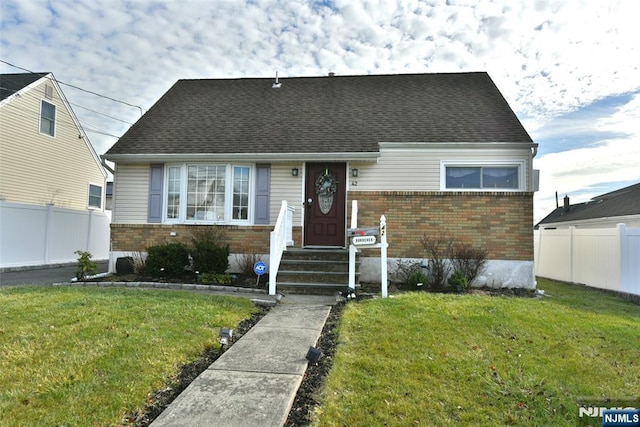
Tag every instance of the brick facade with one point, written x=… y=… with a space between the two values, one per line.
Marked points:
x=241 y=239
x=502 y=223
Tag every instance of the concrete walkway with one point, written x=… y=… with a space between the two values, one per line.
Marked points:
x=256 y=380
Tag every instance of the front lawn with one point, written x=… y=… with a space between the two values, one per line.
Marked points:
x=87 y=356
x=450 y=360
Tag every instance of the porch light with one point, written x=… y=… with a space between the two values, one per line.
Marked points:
x=294 y=172
x=225 y=336
x=354 y=172
x=314 y=354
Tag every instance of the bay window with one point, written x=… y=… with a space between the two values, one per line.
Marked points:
x=208 y=193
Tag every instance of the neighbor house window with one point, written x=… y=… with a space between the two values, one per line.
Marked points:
x=482 y=177
x=47 y=118
x=95 y=196
x=208 y=192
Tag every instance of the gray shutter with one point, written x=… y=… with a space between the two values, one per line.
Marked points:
x=156 y=179
x=263 y=184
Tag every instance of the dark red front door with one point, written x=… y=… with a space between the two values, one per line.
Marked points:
x=325 y=194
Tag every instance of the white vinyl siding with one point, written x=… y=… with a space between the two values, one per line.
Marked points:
x=286 y=187
x=420 y=170
x=131 y=194
x=56 y=170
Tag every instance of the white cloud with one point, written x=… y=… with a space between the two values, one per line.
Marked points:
x=585 y=171
x=548 y=58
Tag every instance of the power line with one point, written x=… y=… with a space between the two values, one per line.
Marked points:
x=79 y=88
x=102 y=114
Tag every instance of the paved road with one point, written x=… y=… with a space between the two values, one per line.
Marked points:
x=44 y=276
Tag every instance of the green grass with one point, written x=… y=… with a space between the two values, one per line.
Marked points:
x=450 y=360
x=74 y=356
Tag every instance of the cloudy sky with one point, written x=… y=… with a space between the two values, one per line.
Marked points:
x=569 y=69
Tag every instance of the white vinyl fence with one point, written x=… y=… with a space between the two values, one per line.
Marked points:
x=32 y=235
x=607 y=258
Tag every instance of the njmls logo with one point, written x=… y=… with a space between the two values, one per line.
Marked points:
x=618 y=412
x=621 y=418
x=592 y=411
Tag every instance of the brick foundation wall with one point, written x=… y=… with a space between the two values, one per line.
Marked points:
x=247 y=239
x=502 y=223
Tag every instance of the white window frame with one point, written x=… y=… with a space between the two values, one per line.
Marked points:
x=228 y=201
x=89 y=205
x=55 y=116
x=520 y=164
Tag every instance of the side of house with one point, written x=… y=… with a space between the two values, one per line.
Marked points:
x=46 y=160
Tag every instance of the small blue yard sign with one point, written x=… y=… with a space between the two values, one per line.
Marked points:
x=260 y=268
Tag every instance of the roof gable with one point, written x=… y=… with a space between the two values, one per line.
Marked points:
x=322 y=115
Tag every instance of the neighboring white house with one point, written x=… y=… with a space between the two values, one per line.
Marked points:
x=604 y=211
x=52 y=182
x=596 y=243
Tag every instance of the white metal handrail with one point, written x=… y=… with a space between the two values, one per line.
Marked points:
x=280 y=238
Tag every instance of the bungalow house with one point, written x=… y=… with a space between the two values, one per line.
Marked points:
x=434 y=153
x=51 y=179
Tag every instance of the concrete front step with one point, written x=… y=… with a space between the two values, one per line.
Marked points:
x=312 y=288
x=314 y=265
x=328 y=277
x=320 y=271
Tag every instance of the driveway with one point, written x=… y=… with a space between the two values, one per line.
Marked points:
x=45 y=276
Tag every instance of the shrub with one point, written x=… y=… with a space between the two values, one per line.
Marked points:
x=438 y=249
x=418 y=280
x=405 y=269
x=458 y=281
x=469 y=260
x=167 y=260
x=86 y=267
x=138 y=263
x=209 y=257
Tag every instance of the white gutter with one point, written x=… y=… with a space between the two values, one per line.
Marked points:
x=257 y=157
x=456 y=145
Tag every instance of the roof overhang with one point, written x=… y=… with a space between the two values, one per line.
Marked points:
x=236 y=157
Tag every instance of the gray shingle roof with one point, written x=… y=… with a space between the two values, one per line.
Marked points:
x=322 y=115
x=625 y=201
x=12 y=83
